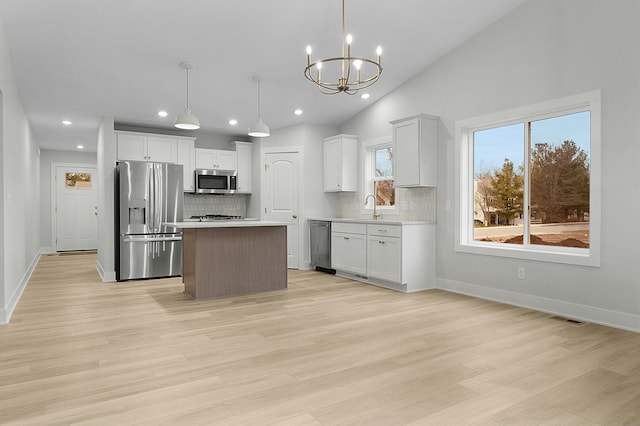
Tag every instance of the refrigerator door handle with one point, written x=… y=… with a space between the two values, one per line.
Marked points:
x=154 y=179
x=150 y=201
x=159 y=196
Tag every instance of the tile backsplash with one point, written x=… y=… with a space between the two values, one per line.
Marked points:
x=412 y=204
x=231 y=205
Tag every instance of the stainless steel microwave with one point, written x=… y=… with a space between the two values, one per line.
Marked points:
x=215 y=181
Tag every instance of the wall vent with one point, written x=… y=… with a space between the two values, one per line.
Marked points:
x=569 y=320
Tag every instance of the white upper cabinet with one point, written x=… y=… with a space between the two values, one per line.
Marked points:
x=187 y=157
x=163 y=149
x=414 y=151
x=340 y=163
x=215 y=159
x=146 y=147
x=244 y=156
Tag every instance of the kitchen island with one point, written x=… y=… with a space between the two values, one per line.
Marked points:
x=229 y=258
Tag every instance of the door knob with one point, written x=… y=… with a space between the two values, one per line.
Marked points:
x=295 y=216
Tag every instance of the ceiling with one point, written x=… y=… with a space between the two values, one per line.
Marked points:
x=81 y=60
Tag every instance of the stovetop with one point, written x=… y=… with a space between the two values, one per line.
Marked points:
x=212 y=217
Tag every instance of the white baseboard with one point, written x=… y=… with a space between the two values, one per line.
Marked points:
x=622 y=320
x=106 y=276
x=7 y=312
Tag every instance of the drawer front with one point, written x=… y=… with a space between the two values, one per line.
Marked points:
x=351 y=228
x=384 y=230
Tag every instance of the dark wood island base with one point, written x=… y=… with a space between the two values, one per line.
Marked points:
x=229 y=261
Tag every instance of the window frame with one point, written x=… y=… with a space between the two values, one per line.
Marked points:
x=368 y=176
x=464 y=129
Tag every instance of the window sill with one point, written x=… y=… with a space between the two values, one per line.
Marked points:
x=565 y=255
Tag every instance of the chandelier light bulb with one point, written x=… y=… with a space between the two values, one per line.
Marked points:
x=349 y=38
x=357 y=63
x=308 y=49
x=379 y=50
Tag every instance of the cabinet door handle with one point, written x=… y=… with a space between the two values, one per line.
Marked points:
x=346 y=238
x=383 y=230
x=380 y=242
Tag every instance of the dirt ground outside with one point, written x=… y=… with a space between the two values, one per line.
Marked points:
x=578 y=239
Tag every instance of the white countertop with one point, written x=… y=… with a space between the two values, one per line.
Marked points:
x=225 y=224
x=378 y=221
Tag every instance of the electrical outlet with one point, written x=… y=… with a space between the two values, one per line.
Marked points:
x=521 y=273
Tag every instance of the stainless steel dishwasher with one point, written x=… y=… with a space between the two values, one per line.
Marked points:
x=320 y=239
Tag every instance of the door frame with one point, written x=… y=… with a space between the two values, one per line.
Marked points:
x=263 y=185
x=54 y=197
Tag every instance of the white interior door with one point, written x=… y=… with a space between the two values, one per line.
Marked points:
x=76 y=208
x=282 y=177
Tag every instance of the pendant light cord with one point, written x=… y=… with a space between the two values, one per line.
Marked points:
x=259 y=114
x=188 y=88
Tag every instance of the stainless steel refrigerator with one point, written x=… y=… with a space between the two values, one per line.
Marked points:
x=147 y=196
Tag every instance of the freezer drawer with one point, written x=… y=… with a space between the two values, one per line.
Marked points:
x=150 y=256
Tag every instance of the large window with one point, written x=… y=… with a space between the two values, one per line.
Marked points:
x=529 y=182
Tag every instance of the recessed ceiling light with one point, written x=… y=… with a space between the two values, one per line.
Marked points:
x=298 y=112
x=365 y=96
x=233 y=122
x=80 y=146
x=163 y=113
x=66 y=122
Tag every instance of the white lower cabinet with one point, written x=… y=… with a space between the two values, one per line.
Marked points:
x=397 y=256
x=349 y=248
x=384 y=258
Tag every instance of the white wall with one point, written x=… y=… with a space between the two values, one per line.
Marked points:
x=47 y=157
x=544 y=50
x=315 y=202
x=20 y=175
x=106 y=159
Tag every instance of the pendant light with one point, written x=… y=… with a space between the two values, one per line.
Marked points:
x=259 y=129
x=187 y=120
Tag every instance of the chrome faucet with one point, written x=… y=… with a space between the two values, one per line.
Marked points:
x=375 y=213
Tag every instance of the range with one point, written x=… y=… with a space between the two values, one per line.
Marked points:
x=212 y=217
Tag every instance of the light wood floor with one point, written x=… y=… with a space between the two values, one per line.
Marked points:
x=326 y=351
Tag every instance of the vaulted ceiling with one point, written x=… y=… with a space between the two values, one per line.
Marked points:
x=81 y=60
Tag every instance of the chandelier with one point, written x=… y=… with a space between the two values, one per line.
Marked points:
x=343 y=74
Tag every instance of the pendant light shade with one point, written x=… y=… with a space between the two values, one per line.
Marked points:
x=187 y=120
x=259 y=129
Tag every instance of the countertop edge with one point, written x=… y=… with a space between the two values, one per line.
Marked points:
x=373 y=222
x=226 y=224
